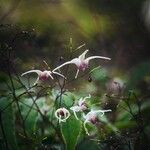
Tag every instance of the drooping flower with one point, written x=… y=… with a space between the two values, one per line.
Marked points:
x=81 y=106
x=92 y=117
x=81 y=62
x=62 y=114
x=43 y=75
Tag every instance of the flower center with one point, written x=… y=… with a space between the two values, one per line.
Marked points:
x=83 y=106
x=93 y=120
x=43 y=76
x=61 y=113
x=83 y=66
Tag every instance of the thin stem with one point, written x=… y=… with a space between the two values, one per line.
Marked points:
x=15 y=97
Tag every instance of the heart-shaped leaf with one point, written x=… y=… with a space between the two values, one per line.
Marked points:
x=71 y=131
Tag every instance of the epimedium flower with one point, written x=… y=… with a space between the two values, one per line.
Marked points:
x=62 y=114
x=81 y=62
x=92 y=117
x=81 y=106
x=43 y=75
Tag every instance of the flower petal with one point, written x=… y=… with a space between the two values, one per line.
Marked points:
x=36 y=81
x=32 y=71
x=75 y=115
x=66 y=63
x=75 y=108
x=82 y=100
x=95 y=57
x=89 y=96
x=82 y=56
x=59 y=74
x=77 y=73
x=85 y=128
x=49 y=73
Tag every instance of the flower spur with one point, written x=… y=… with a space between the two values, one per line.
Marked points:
x=81 y=62
x=43 y=75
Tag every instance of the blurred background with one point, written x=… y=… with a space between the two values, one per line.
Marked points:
x=118 y=29
x=40 y=30
x=37 y=30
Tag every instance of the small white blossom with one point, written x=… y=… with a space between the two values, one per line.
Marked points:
x=62 y=114
x=81 y=106
x=81 y=62
x=92 y=117
x=43 y=75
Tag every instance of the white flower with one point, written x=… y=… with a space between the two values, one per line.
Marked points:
x=43 y=75
x=92 y=117
x=62 y=114
x=81 y=62
x=81 y=106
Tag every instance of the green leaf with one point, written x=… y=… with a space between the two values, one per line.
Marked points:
x=71 y=131
x=8 y=123
x=29 y=114
x=88 y=144
x=68 y=99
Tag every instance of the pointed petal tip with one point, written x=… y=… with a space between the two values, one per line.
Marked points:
x=87 y=50
x=22 y=74
x=107 y=58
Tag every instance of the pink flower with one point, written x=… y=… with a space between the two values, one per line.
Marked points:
x=81 y=106
x=92 y=117
x=43 y=75
x=81 y=62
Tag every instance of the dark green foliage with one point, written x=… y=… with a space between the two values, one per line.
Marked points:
x=7 y=124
